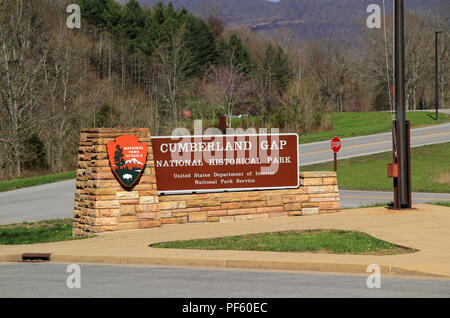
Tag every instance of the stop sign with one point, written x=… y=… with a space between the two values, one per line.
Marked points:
x=336 y=144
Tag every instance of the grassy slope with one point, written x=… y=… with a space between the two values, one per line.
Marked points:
x=447 y=204
x=33 y=181
x=329 y=241
x=430 y=170
x=360 y=124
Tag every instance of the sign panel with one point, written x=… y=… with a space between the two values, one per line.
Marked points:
x=225 y=162
x=127 y=157
x=336 y=144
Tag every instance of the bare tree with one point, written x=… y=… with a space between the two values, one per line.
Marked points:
x=419 y=43
x=302 y=103
x=319 y=64
x=228 y=88
x=21 y=62
x=59 y=89
x=262 y=90
x=341 y=71
x=442 y=23
x=174 y=60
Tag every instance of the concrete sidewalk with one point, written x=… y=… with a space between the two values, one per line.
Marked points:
x=426 y=228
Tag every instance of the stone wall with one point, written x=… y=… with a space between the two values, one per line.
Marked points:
x=318 y=193
x=101 y=204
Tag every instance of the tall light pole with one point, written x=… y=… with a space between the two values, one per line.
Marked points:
x=402 y=184
x=436 y=59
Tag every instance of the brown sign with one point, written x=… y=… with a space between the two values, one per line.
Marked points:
x=225 y=162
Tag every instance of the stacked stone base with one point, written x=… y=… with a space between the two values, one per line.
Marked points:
x=101 y=204
x=318 y=193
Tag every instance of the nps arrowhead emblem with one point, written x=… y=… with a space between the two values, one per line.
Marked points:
x=127 y=157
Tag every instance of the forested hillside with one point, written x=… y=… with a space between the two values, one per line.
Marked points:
x=131 y=65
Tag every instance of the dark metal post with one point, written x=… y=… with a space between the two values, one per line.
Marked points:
x=436 y=59
x=335 y=162
x=395 y=162
x=408 y=146
x=402 y=145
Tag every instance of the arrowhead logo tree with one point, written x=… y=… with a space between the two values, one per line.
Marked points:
x=118 y=157
x=127 y=157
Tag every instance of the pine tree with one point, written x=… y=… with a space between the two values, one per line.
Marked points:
x=200 y=42
x=111 y=16
x=132 y=23
x=276 y=67
x=118 y=158
x=236 y=51
x=93 y=10
x=144 y=31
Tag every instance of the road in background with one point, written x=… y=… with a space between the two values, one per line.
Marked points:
x=43 y=202
x=49 y=280
x=356 y=198
x=433 y=111
x=319 y=152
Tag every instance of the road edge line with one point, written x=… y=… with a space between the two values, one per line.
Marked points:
x=226 y=263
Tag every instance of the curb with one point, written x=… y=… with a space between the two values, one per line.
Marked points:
x=222 y=263
x=11 y=258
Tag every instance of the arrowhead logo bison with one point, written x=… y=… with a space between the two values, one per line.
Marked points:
x=127 y=157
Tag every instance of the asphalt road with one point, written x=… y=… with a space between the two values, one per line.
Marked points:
x=319 y=152
x=49 y=280
x=356 y=198
x=55 y=200
x=43 y=202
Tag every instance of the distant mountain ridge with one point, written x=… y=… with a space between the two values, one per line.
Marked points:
x=309 y=19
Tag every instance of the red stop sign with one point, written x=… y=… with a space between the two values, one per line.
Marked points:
x=336 y=144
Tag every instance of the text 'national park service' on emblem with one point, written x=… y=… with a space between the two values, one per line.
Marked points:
x=127 y=157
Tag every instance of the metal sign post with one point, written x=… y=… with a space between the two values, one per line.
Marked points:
x=336 y=145
x=436 y=60
x=400 y=130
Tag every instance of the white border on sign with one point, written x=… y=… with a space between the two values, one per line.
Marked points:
x=331 y=143
x=230 y=189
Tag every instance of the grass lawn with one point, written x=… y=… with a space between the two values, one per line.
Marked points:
x=430 y=170
x=442 y=203
x=323 y=241
x=37 y=232
x=360 y=124
x=38 y=180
